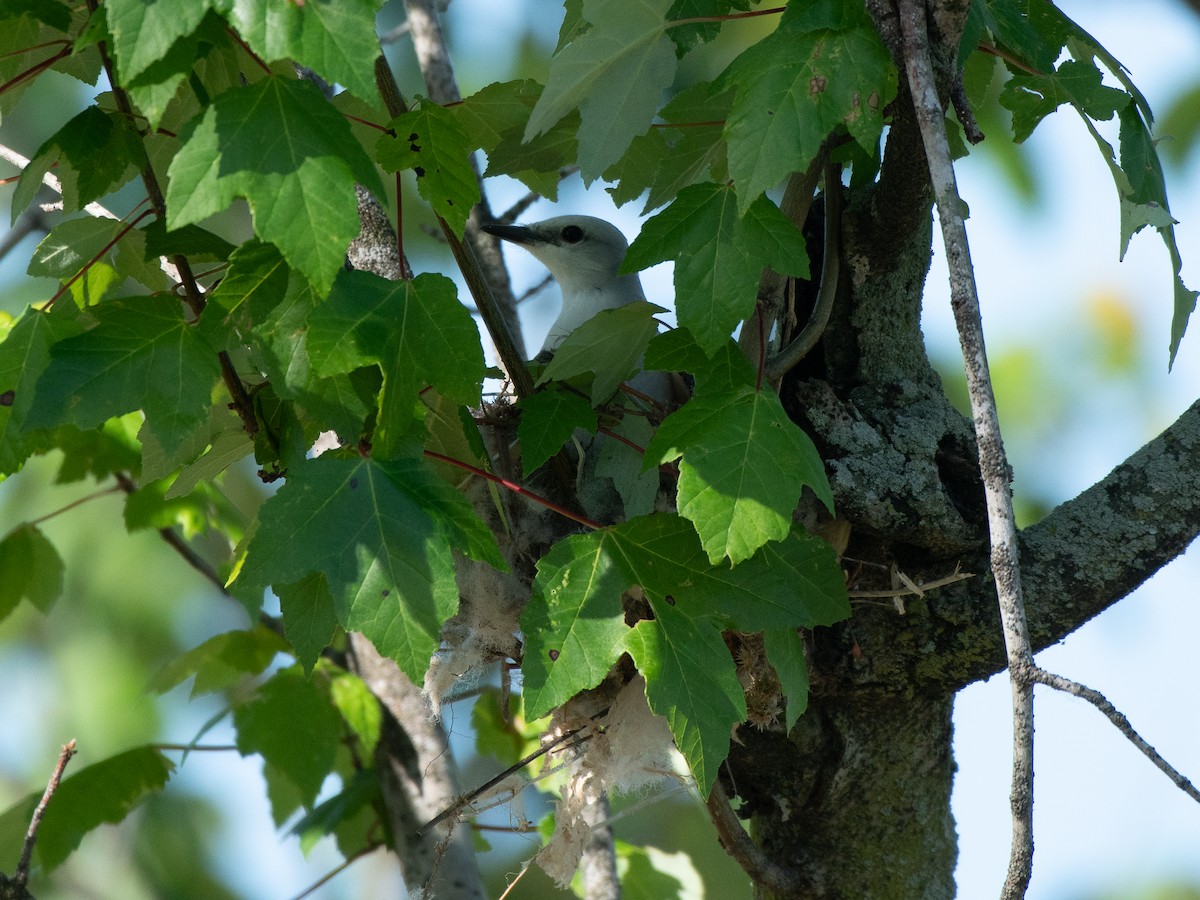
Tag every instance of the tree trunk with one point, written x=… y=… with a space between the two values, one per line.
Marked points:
x=857 y=799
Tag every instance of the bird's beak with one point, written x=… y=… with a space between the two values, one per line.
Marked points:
x=518 y=234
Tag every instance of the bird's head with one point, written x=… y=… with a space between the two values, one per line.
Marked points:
x=581 y=252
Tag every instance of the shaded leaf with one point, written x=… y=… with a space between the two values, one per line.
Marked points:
x=140 y=355
x=380 y=532
x=824 y=68
x=719 y=256
x=691 y=681
x=104 y=792
x=30 y=569
x=417 y=332
x=610 y=344
x=626 y=50
x=222 y=661
x=548 y=419
x=431 y=141
x=292 y=724
x=309 y=617
x=283 y=147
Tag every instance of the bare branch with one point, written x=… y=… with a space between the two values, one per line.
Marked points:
x=22 y=874
x=964 y=299
x=763 y=870
x=1098 y=700
x=598 y=864
x=418 y=775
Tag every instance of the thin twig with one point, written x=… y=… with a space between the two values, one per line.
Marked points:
x=470 y=797
x=763 y=870
x=337 y=870
x=176 y=543
x=916 y=589
x=512 y=884
x=1098 y=700
x=64 y=757
x=964 y=300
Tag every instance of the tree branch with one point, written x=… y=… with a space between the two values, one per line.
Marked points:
x=993 y=464
x=433 y=56
x=764 y=871
x=21 y=876
x=1087 y=554
x=1098 y=700
x=418 y=777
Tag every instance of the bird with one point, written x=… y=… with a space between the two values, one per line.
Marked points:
x=584 y=254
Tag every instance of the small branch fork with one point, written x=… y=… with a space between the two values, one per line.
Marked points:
x=964 y=299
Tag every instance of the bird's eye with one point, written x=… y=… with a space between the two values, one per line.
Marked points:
x=572 y=234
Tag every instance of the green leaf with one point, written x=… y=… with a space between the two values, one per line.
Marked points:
x=365 y=525
x=495 y=118
x=326 y=817
x=292 y=724
x=719 y=256
x=73 y=244
x=574 y=621
x=1033 y=97
x=24 y=355
x=431 y=141
x=140 y=355
x=105 y=792
x=416 y=331
x=614 y=73
x=255 y=282
x=688 y=37
x=785 y=651
x=691 y=681
x=142 y=32
x=309 y=617
x=359 y=708
x=193 y=241
x=336 y=402
x=1148 y=190
x=576 y=617
x=51 y=12
x=696 y=149
x=283 y=147
x=96 y=153
x=745 y=464
x=677 y=351
x=548 y=419
x=610 y=344
x=797 y=86
x=622 y=464
x=338 y=40
x=222 y=661
x=538 y=163
x=30 y=569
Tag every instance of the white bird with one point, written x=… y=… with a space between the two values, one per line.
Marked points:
x=583 y=254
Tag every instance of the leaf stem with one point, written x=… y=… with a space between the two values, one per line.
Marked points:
x=697 y=20
x=100 y=253
x=515 y=488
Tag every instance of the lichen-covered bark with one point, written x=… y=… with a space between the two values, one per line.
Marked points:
x=856 y=799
